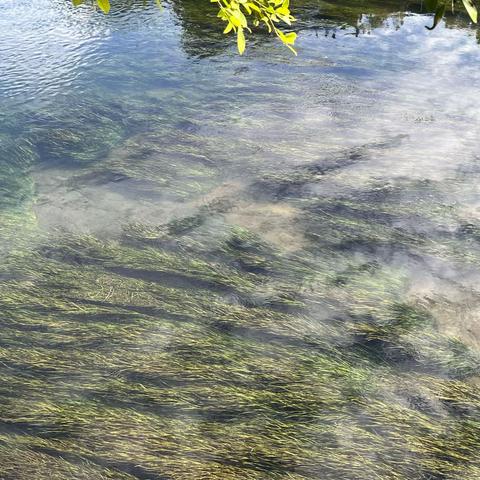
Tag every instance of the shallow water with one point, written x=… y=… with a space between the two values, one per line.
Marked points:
x=238 y=267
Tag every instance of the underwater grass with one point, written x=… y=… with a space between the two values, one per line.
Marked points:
x=196 y=349
x=108 y=373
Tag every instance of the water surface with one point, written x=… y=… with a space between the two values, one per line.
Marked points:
x=238 y=267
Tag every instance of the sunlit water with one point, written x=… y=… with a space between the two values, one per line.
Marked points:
x=237 y=267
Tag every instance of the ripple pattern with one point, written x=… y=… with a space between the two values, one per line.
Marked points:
x=47 y=46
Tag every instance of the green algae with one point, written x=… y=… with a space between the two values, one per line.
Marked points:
x=117 y=376
x=195 y=348
x=163 y=354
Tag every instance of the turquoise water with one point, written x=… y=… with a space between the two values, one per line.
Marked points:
x=249 y=267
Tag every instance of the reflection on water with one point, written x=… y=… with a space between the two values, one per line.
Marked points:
x=238 y=267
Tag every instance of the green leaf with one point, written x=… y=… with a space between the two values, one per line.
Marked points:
x=241 y=40
x=238 y=15
x=104 y=5
x=471 y=9
x=290 y=38
x=77 y=2
x=228 y=28
x=439 y=13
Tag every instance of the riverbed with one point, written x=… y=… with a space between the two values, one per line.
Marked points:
x=218 y=266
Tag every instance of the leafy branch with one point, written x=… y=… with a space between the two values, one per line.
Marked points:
x=269 y=12
x=240 y=15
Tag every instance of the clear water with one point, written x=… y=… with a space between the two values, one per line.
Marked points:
x=238 y=267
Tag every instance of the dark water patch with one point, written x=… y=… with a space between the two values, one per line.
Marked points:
x=122 y=467
x=169 y=279
x=45 y=431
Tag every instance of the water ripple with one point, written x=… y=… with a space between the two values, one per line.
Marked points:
x=55 y=45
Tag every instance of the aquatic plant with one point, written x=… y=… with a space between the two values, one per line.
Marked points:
x=197 y=349
x=132 y=360
x=194 y=343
